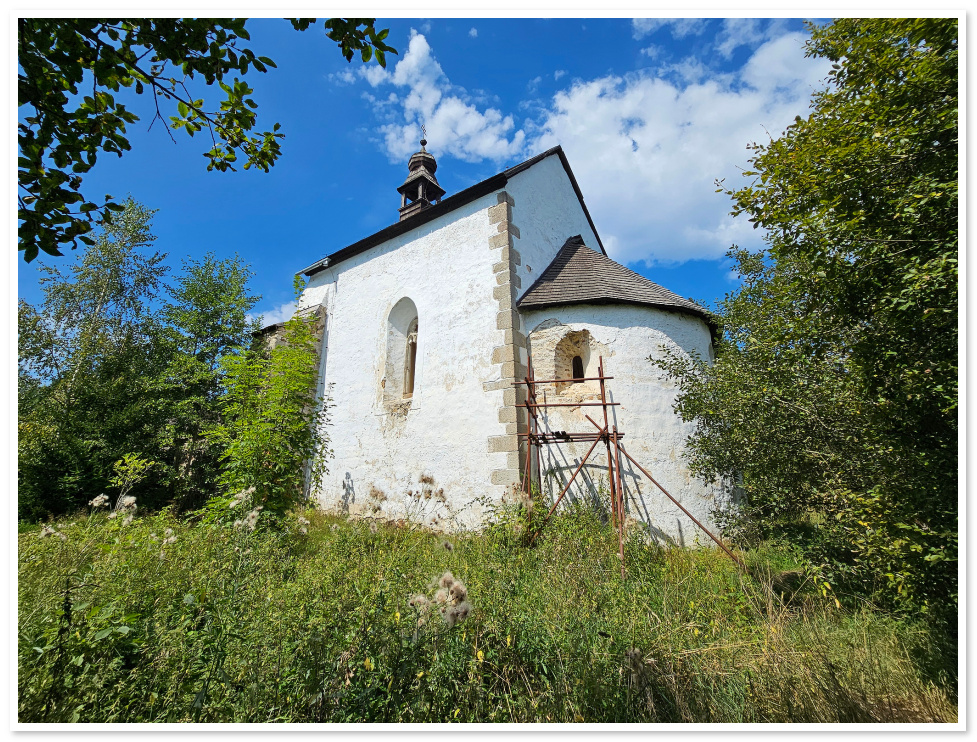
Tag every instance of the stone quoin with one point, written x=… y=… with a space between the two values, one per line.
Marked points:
x=426 y=325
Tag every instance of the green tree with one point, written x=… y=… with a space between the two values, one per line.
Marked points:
x=110 y=367
x=87 y=355
x=272 y=432
x=206 y=319
x=834 y=391
x=69 y=71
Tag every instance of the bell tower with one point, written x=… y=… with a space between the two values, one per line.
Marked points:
x=421 y=189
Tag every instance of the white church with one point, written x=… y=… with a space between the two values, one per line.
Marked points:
x=428 y=324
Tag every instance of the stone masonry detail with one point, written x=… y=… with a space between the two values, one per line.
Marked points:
x=510 y=357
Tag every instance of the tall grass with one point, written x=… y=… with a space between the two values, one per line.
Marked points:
x=226 y=625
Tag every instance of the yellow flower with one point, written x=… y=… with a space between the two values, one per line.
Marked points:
x=508 y=641
x=457 y=711
x=481 y=655
x=368 y=664
x=420 y=674
x=397 y=616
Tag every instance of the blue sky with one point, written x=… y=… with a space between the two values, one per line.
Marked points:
x=649 y=112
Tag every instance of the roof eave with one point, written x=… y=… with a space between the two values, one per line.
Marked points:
x=482 y=188
x=705 y=316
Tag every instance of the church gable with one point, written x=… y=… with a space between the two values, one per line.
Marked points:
x=427 y=334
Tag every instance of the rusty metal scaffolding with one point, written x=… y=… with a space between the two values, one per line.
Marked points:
x=608 y=434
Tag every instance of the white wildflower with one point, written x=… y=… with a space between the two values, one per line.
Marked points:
x=47 y=531
x=251 y=520
x=303 y=530
x=241 y=497
x=169 y=540
x=168 y=532
x=303 y=521
x=127 y=503
x=100 y=501
x=112 y=515
x=128 y=519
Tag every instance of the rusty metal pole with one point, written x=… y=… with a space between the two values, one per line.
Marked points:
x=539 y=471
x=620 y=501
x=610 y=465
x=567 y=487
x=691 y=517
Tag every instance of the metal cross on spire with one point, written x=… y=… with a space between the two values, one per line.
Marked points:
x=423 y=136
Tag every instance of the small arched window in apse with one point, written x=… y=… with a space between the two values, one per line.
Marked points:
x=410 y=360
x=577 y=369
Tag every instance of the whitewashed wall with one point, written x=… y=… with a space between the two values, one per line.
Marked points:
x=437 y=446
x=445 y=268
x=626 y=335
x=547 y=213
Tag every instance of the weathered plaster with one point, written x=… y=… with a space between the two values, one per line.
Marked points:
x=453 y=447
x=626 y=335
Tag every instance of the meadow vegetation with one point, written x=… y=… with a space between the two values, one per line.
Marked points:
x=307 y=617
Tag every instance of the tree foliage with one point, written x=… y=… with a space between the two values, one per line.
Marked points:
x=272 y=430
x=71 y=71
x=834 y=391
x=114 y=361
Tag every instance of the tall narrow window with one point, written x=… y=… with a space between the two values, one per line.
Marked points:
x=410 y=359
x=577 y=369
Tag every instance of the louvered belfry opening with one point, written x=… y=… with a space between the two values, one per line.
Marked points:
x=421 y=189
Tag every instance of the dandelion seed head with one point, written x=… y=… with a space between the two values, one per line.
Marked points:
x=47 y=531
x=441 y=596
x=450 y=618
x=169 y=540
x=168 y=532
x=112 y=515
x=458 y=591
x=238 y=523
x=419 y=601
x=303 y=521
x=128 y=519
x=462 y=610
x=100 y=501
x=303 y=530
x=128 y=503
x=447 y=579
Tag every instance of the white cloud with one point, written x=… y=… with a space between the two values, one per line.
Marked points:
x=454 y=125
x=281 y=313
x=680 y=27
x=751 y=32
x=558 y=74
x=646 y=148
x=473 y=33
x=652 y=52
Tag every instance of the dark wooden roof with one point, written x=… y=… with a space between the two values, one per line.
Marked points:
x=495 y=183
x=579 y=275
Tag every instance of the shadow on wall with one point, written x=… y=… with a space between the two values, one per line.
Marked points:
x=590 y=490
x=349 y=493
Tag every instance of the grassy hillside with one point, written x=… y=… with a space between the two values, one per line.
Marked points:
x=213 y=623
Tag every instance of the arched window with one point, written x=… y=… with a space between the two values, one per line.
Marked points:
x=578 y=369
x=410 y=359
x=401 y=375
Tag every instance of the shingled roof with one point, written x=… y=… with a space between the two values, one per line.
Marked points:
x=579 y=275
